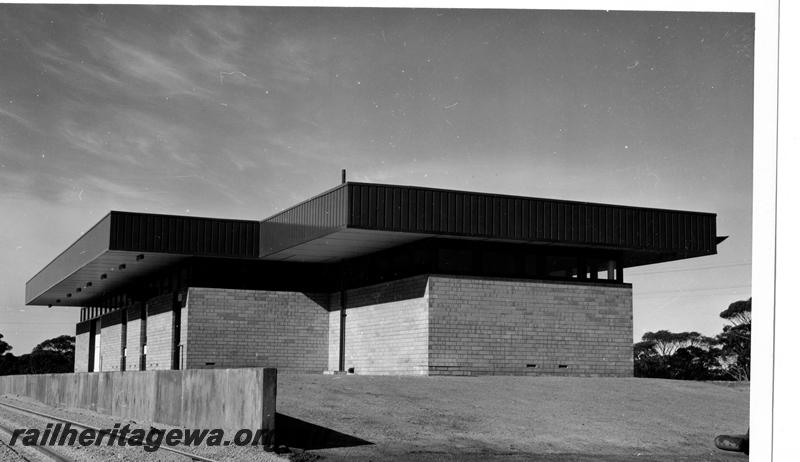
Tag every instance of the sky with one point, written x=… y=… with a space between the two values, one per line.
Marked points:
x=240 y=112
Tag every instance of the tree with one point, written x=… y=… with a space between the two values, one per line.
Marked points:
x=695 y=363
x=55 y=355
x=4 y=347
x=666 y=343
x=693 y=356
x=734 y=340
x=64 y=344
x=647 y=362
x=676 y=355
x=738 y=313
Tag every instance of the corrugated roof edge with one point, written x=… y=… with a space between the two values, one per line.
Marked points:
x=122 y=212
x=512 y=196
x=327 y=191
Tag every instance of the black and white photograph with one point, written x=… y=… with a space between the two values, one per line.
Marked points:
x=355 y=232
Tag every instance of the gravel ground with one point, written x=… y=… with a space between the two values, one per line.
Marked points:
x=13 y=419
x=9 y=454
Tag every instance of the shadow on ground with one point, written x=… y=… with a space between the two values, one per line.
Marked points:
x=356 y=455
x=296 y=433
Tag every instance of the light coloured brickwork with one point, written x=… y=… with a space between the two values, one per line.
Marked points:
x=482 y=326
x=110 y=348
x=159 y=341
x=437 y=325
x=133 y=344
x=254 y=328
x=386 y=328
x=333 y=340
x=82 y=352
x=159 y=333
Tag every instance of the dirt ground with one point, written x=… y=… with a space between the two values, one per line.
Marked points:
x=325 y=417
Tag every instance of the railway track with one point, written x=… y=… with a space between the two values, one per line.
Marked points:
x=49 y=454
x=42 y=451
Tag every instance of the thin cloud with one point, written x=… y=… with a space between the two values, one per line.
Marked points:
x=19 y=119
x=152 y=69
x=72 y=70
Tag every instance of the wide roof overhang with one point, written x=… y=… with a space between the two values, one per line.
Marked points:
x=124 y=246
x=356 y=219
x=359 y=218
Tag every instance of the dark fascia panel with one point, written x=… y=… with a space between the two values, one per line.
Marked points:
x=472 y=215
x=198 y=236
x=316 y=217
x=144 y=233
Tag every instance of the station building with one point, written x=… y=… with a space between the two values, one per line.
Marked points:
x=370 y=279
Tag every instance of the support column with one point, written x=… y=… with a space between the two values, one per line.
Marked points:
x=612 y=265
x=581 y=264
x=177 y=305
x=123 y=360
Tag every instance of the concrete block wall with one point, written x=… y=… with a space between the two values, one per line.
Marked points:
x=255 y=328
x=484 y=326
x=427 y=324
x=159 y=332
x=386 y=328
x=133 y=338
x=333 y=337
x=81 y=349
x=111 y=347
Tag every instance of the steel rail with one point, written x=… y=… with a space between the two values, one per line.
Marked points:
x=193 y=457
x=43 y=450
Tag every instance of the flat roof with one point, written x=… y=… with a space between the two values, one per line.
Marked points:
x=355 y=219
x=123 y=245
x=374 y=213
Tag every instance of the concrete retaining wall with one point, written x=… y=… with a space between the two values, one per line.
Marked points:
x=230 y=399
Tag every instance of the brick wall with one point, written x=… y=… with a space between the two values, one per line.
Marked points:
x=481 y=326
x=438 y=325
x=133 y=338
x=386 y=328
x=159 y=332
x=110 y=347
x=81 y=350
x=255 y=328
x=333 y=338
